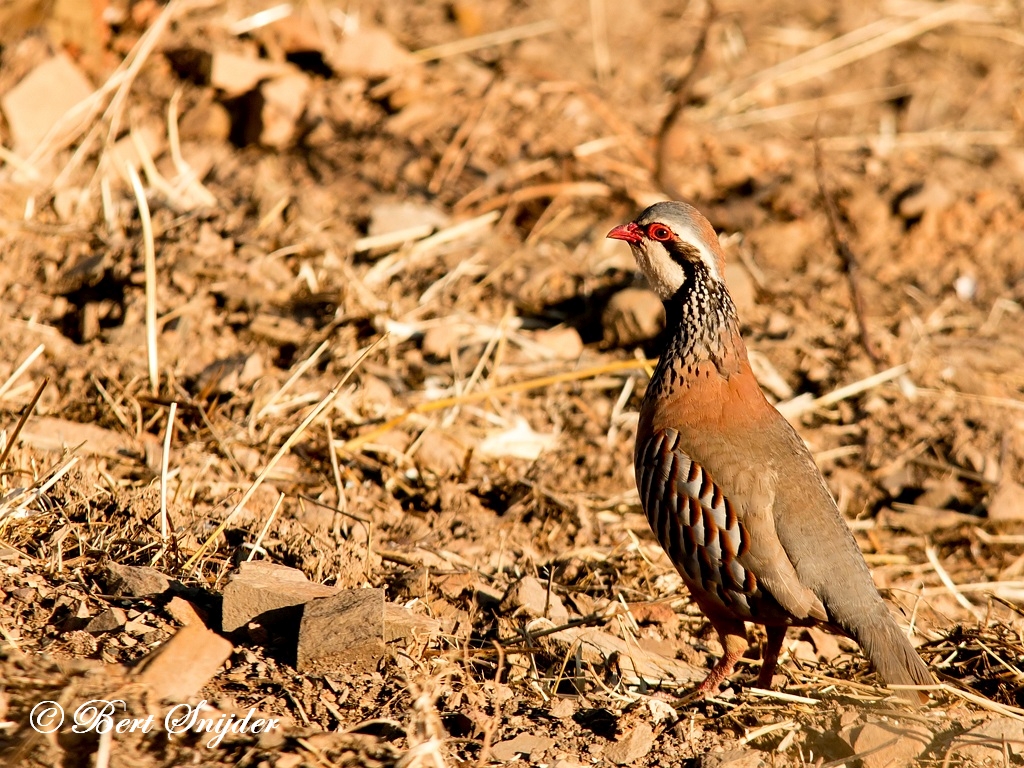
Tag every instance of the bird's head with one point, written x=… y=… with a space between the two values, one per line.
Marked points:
x=667 y=238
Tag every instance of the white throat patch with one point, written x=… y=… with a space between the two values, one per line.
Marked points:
x=661 y=270
x=665 y=275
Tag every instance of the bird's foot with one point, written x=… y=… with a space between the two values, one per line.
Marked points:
x=719 y=673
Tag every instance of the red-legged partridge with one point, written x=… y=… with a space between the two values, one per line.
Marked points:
x=729 y=488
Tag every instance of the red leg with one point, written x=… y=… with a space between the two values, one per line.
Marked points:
x=733 y=635
x=770 y=655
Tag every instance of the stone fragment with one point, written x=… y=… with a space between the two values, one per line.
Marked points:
x=441 y=340
x=49 y=433
x=530 y=596
x=825 y=643
x=520 y=441
x=734 y=758
x=369 y=52
x=134 y=580
x=235 y=74
x=634 y=664
x=135 y=627
x=741 y=287
x=439 y=455
x=931 y=197
x=179 y=668
x=206 y=121
x=632 y=745
x=349 y=631
x=1007 y=502
x=988 y=743
x=260 y=588
x=521 y=744
x=560 y=343
x=107 y=621
x=884 y=744
x=454 y=585
x=401 y=624
x=183 y=612
x=295 y=33
x=632 y=316
x=344 y=630
x=226 y=375
x=41 y=99
x=562 y=708
x=284 y=101
x=405 y=215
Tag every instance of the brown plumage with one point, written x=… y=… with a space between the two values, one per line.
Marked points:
x=729 y=488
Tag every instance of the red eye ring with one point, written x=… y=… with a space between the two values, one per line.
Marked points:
x=659 y=232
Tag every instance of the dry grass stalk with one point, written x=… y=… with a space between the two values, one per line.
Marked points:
x=256 y=545
x=12 y=439
x=261 y=19
x=61 y=135
x=285 y=447
x=848 y=257
x=188 y=190
x=790 y=698
x=31 y=495
x=992 y=706
x=999 y=402
x=501 y=37
x=456 y=154
x=847 y=49
x=599 y=40
x=497 y=392
x=164 y=464
x=391 y=265
x=391 y=239
x=884 y=143
x=801 y=404
x=985 y=587
x=304 y=366
x=24 y=366
x=811 y=106
x=553 y=189
x=149 y=257
x=339 y=485
x=765 y=730
x=104 y=749
x=947 y=582
x=680 y=96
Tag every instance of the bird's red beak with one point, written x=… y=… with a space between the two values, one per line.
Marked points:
x=631 y=233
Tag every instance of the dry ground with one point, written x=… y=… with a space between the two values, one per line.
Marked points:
x=513 y=158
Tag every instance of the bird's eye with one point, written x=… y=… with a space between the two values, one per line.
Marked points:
x=659 y=232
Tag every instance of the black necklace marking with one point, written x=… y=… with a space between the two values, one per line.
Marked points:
x=703 y=322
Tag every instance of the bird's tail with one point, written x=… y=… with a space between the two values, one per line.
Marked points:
x=894 y=658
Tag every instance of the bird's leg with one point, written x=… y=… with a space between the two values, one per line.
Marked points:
x=770 y=655
x=733 y=635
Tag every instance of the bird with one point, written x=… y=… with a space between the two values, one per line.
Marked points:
x=729 y=488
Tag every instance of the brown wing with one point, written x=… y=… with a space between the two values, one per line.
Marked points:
x=731 y=551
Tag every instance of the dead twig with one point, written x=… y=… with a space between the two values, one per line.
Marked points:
x=13 y=439
x=680 y=95
x=471 y=44
x=193 y=561
x=481 y=395
x=851 y=266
